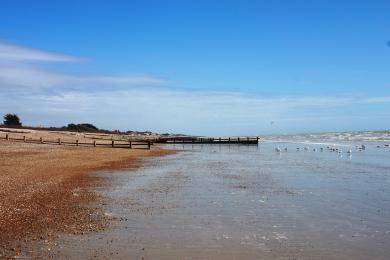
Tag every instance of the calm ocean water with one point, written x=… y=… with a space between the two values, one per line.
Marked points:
x=248 y=202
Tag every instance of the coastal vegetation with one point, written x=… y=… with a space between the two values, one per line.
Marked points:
x=82 y=127
x=12 y=120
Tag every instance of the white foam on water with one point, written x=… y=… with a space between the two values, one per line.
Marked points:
x=310 y=143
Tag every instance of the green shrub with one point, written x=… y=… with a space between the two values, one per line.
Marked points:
x=12 y=120
x=82 y=127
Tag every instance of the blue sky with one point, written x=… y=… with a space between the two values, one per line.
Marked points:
x=198 y=67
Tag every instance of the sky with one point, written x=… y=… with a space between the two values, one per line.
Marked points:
x=197 y=67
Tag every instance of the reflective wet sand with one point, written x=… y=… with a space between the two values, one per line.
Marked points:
x=247 y=202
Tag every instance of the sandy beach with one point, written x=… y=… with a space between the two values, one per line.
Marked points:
x=44 y=190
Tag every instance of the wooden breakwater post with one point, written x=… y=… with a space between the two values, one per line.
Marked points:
x=59 y=141
x=41 y=139
x=130 y=145
x=7 y=137
x=24 y=139
x=77 y=142
x=94 y=143
x=112 y=143
x=149 y=145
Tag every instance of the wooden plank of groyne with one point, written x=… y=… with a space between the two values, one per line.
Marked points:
x=140 y=144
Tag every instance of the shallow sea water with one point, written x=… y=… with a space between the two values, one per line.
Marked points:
x=248 y=202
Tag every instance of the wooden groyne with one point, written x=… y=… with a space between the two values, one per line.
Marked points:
x=208 y=140
x=144 y=144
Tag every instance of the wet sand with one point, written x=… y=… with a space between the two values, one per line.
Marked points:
x=238 y=202
x=46 y=191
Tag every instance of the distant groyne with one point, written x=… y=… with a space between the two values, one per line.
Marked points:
x=208 y=140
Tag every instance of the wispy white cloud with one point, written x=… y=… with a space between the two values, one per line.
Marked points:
x=12 y=52
x=17 y=71
x=202 y=112
x=36 y=78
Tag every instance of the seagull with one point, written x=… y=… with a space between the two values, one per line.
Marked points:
x=361 y=147
x=277 y=149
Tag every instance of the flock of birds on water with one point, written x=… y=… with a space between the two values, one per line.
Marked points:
x=361 y=147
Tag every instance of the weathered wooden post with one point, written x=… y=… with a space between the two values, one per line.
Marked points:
x=130 y=146
x=149 y=145
x=59 y=141
x=24 y=138
x=220 y=139
x=41 y=139
x=94 y=143
x=112 y=143
x=77 y=142
x=229 y=139
x=238 y=139
x=257 y=138
x=6 y=137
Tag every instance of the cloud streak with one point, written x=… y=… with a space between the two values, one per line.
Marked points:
x=36 y=78
x=12 y=52
x=17 y=71
x=192 y=111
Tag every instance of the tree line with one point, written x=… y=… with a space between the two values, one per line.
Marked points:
x=13 y=120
